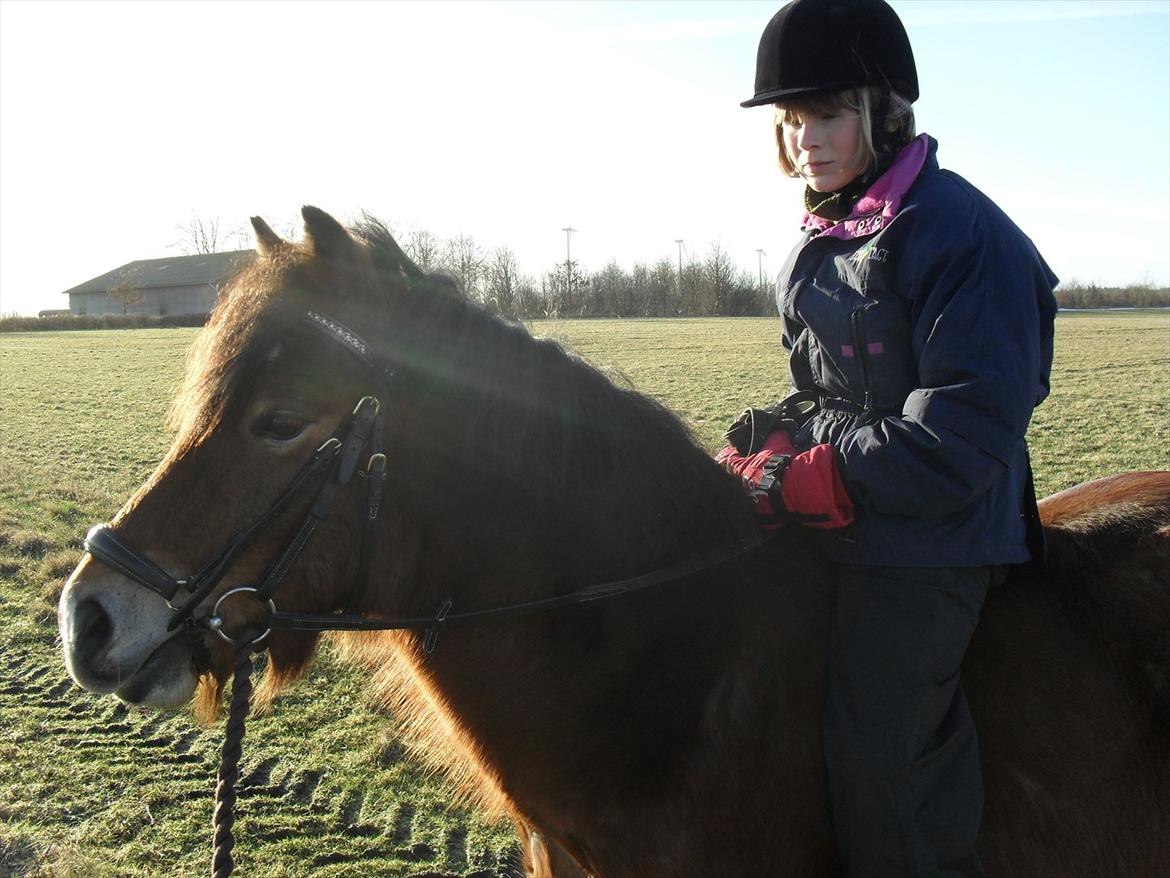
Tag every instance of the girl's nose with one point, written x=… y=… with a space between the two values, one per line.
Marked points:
x=808 y=136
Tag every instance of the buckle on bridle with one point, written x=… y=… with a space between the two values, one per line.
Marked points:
x=375 y=467
x=359 y=410
x=432 y=633
x=215 y=620
x=184 y=585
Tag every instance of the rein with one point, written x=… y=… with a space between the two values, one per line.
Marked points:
x=337 y=457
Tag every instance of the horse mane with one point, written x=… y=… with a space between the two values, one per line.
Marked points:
x=537 y=422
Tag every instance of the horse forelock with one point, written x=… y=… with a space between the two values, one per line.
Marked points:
x=263 y=307
x=225 y=352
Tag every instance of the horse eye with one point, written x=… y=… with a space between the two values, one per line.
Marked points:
x=281 y=426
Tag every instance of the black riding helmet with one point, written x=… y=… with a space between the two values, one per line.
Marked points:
x=813 y=46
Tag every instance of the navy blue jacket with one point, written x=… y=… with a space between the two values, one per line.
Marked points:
x=925 y=320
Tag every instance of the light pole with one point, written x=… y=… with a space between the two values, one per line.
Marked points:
x=568 y=230
x=761 y=254
x=680 y=246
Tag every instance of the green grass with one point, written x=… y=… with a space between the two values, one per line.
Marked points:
x=91 y=788
x=1109 y=410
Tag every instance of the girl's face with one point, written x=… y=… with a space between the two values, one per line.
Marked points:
x=823 y=147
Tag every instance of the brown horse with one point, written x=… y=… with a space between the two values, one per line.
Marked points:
x=669 y=732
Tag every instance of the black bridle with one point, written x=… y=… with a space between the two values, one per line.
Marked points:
x=338 y=456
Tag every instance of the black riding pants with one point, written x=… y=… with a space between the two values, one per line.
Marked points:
x=899 y=740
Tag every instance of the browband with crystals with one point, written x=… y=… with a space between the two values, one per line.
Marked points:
x=343 y=334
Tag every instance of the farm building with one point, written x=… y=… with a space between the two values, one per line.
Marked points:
x=175 y=285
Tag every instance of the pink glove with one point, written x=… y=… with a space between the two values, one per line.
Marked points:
x=806 y=487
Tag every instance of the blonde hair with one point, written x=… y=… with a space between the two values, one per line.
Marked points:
x=899 y=122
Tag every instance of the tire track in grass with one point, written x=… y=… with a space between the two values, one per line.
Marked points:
x=171 y=768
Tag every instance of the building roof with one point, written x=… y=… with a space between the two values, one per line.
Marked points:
x=174 y=271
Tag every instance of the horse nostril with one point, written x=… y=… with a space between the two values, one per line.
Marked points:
x=91 y=626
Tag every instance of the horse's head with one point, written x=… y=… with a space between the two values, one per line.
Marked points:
x=271 y=381
x=512 y=470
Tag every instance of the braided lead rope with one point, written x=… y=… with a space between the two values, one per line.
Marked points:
x=223 y=840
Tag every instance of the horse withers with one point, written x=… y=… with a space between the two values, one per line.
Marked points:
x=668 y=731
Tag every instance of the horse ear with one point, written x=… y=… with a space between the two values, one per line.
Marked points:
x=267 y=241
x=325 y=237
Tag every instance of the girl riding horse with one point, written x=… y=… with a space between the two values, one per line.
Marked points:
x=918 y=321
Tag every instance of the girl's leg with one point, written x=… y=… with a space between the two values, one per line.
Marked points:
x=899 y=740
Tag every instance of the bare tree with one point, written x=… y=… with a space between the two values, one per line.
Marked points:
x=612 y=291
x=564 y=291
x=503 y=277
x=718 y=281
x=203 y=235
x=424 y=249
x=464 y=260
x=664 y=287
x=529 y=303
x=125 y=294
x=690 y=293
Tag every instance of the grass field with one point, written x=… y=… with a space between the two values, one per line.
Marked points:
x=91 y=788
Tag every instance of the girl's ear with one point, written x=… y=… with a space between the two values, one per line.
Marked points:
x=267 y=241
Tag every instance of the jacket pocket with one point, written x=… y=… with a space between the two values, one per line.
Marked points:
x=827 y=310
x=863 y=342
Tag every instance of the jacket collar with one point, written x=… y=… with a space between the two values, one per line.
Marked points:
x=881 y=202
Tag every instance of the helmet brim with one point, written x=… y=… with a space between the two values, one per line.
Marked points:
x=776 y=95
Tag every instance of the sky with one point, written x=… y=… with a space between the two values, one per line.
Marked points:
x=121 y=121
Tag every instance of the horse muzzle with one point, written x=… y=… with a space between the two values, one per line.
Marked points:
x=114 y=640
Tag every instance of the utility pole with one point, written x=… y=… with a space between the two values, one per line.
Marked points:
x=680 y=246
x=568 y=230
x=761 y=254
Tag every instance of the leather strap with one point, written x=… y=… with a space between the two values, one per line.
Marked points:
x=287 y=621
x=103 y=544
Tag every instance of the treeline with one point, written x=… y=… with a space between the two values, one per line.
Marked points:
x=712 y=286
x=93 y=321
x=1081 y=296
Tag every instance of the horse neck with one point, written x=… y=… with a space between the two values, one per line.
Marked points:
x=516 y=444
x=530 y=474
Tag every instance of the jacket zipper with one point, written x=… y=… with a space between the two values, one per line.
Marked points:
x=858 y=342
x=862 y=360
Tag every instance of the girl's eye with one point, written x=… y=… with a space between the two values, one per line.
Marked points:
x=279 y=426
